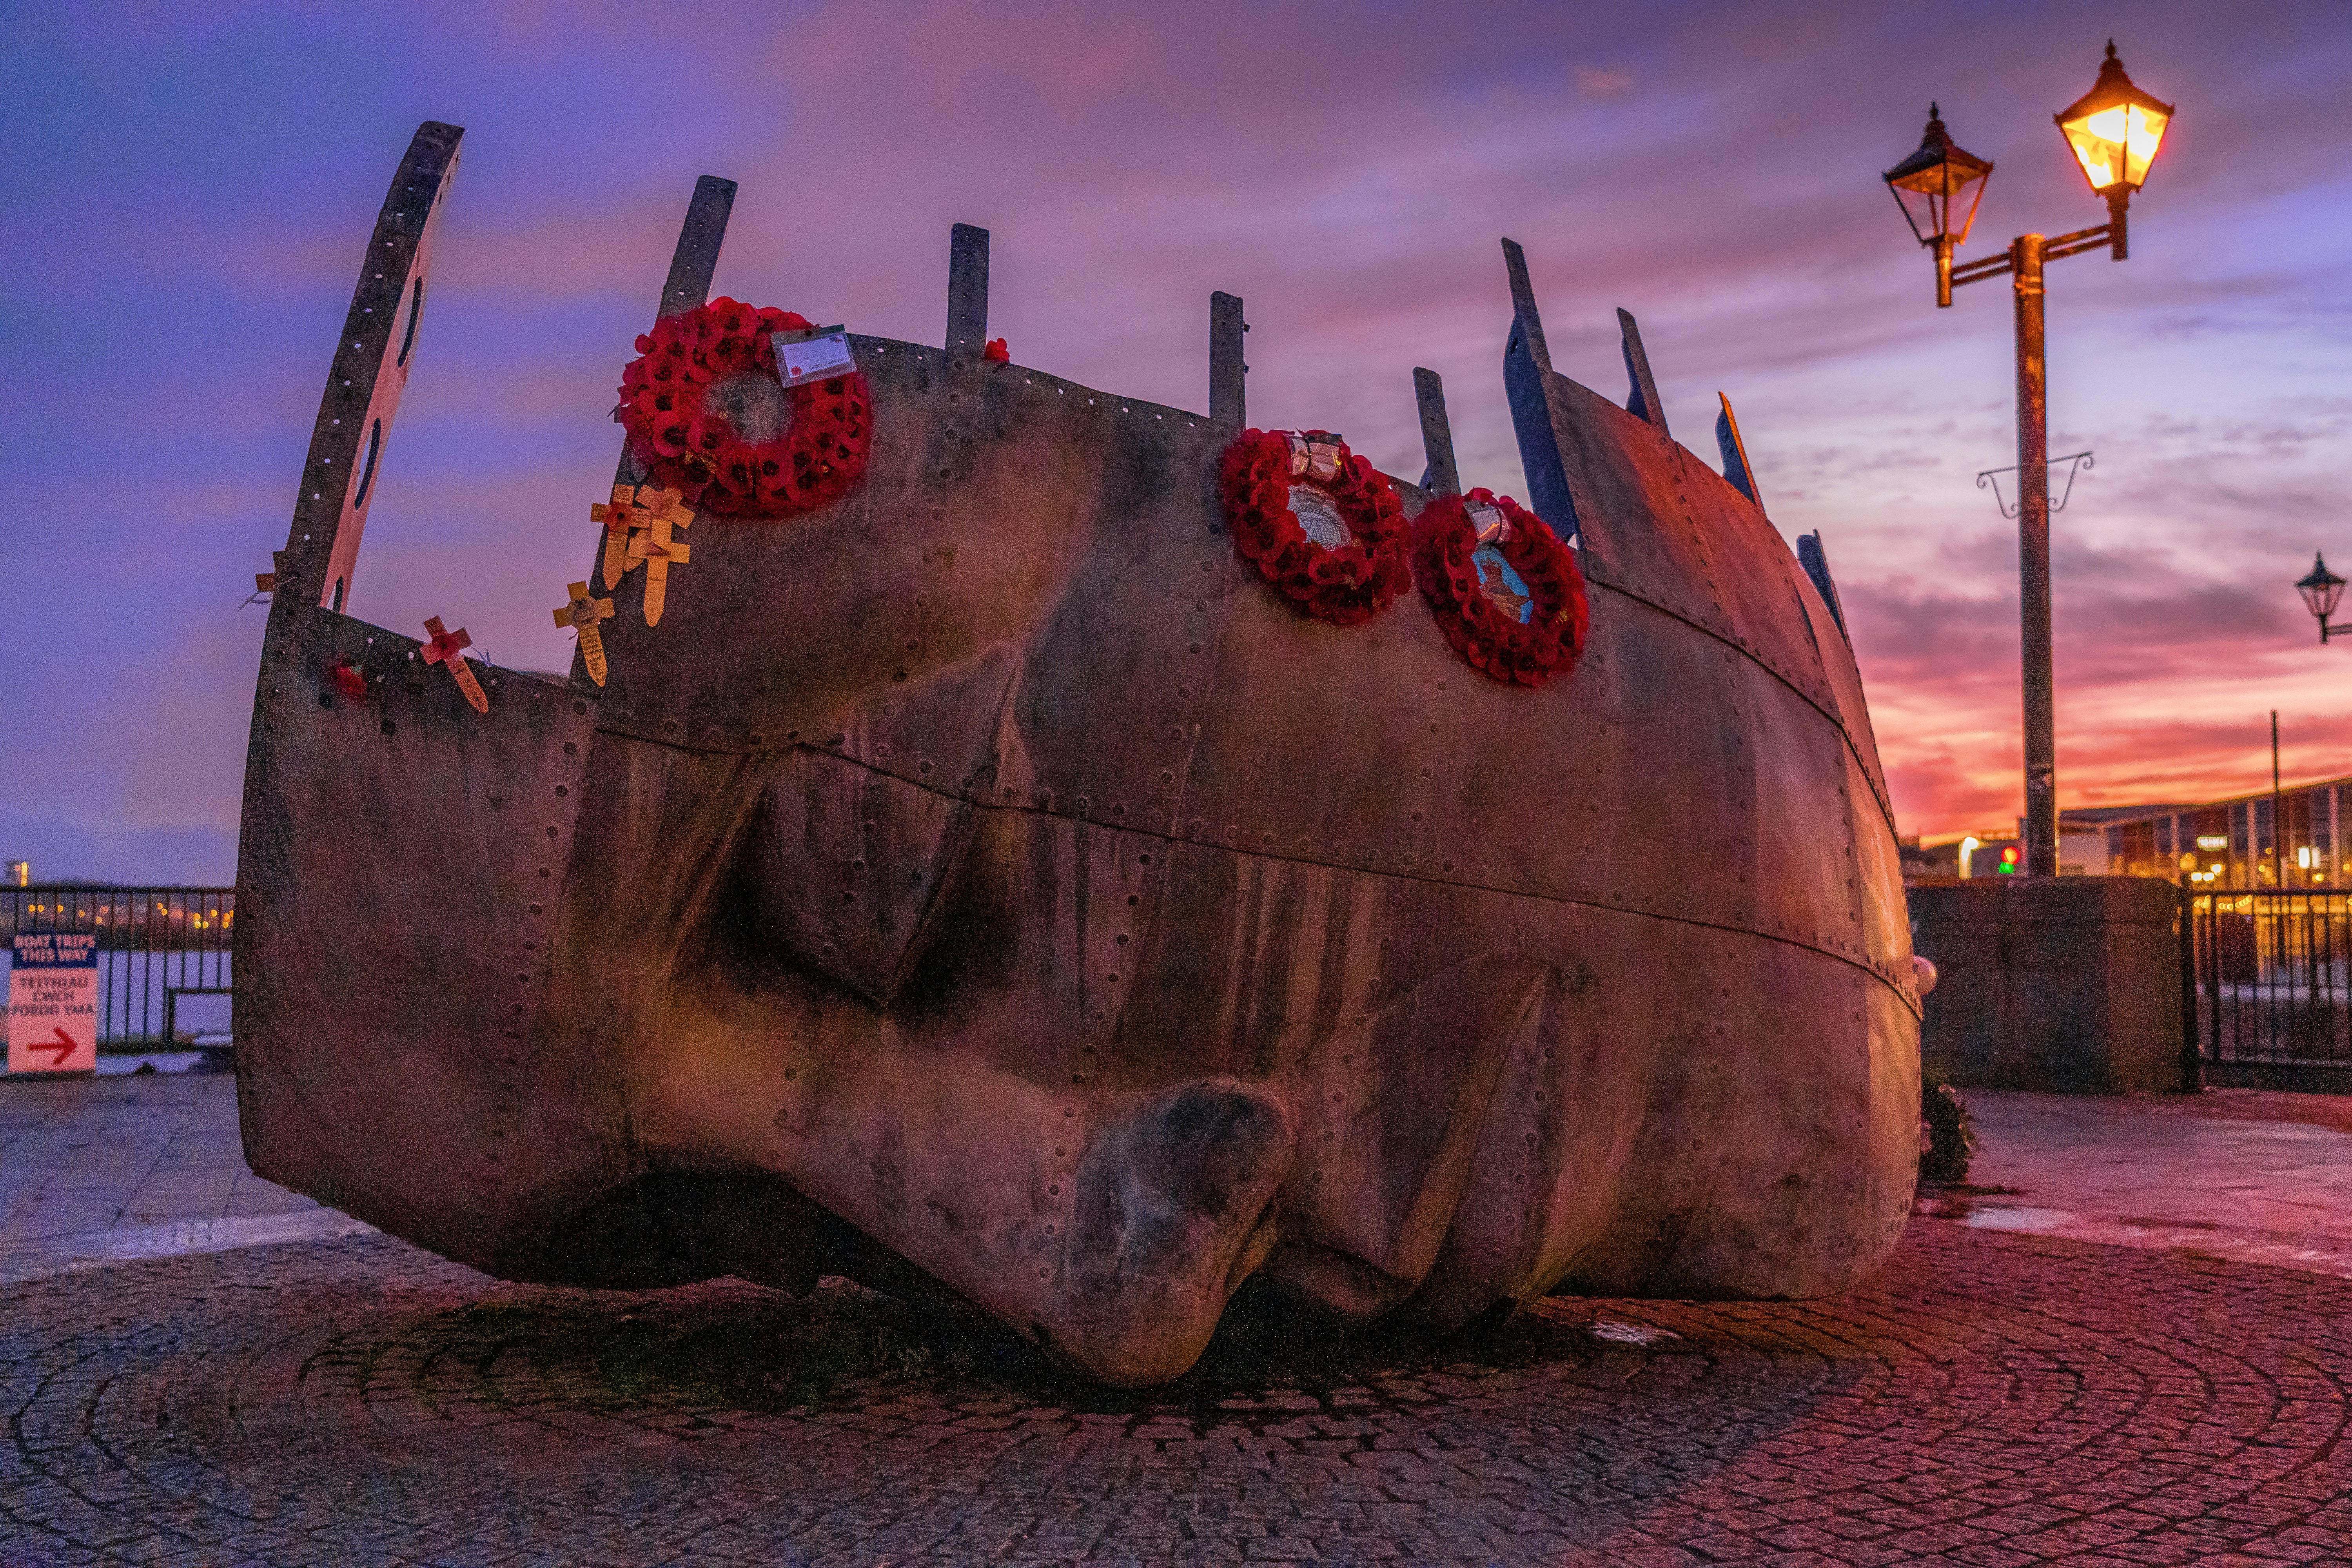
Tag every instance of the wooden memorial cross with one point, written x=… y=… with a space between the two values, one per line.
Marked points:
x=582 y=614
x=653 y=544
x=442 y=650
x=618 y=519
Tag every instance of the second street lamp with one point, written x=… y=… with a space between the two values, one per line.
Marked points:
x=2320 y=589
x=2114 y=131
x=1939 y=188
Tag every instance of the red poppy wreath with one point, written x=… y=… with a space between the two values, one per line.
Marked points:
x=708 y=416
x=1318 y=522
x=1506 y=592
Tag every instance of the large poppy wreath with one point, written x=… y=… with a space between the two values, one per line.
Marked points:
x=1318 y=522
x=707 y=415
x=1506 y=592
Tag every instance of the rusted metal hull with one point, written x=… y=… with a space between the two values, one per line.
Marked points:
x=988 y=871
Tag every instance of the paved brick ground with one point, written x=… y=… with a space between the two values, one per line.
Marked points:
x=1990 y=1398
x=79 y=1155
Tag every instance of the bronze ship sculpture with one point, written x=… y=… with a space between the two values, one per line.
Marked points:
x=983 y=876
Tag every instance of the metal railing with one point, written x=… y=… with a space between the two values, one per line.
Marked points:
x=154 y=946
x=2270 y=976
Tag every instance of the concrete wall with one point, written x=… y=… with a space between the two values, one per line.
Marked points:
x=2070 y=984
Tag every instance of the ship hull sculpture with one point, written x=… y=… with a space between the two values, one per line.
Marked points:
x=987 y=873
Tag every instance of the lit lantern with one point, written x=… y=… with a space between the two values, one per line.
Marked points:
x=1939 y=188
x=2115 y=130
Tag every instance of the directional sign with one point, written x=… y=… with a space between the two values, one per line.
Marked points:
x=53 y=1002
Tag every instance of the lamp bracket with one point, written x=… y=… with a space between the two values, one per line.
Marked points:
x=2075 y=463
x=1982 y=268
x=2004 y=262
x=2081 y=240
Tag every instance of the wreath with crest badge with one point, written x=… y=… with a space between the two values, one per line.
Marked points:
x=1506 y=594
x=1318 y=522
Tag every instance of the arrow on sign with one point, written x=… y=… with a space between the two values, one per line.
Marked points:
x=64 y=1045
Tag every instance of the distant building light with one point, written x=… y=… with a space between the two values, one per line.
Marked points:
x=2302 y=857
x=2212 y=841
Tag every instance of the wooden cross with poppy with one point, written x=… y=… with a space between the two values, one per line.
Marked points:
x=582 y=614
x=621 y=517
x=442 y=650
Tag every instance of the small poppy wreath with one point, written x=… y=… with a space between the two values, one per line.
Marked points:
x=1266 y=473
x=1484 y=630
x=708 y=416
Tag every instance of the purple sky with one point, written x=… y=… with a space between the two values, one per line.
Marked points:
x=186 y=202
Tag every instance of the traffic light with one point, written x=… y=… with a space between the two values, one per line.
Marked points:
x=2008 y=866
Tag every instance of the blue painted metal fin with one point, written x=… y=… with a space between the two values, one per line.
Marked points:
x=1523 y=383
x=1735 y=453
x=1816 y=562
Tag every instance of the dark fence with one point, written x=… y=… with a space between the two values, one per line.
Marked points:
x=2273 y=980
x=155 y=945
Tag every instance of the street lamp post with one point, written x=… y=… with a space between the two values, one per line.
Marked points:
x=2114 y=131
x=2320 y=589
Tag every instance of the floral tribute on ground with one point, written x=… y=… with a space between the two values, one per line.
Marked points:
x=707 y=414
x=1506 y=592
x=1319 y=523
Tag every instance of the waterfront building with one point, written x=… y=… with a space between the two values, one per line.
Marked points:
x=2255 y=840
x=2258 y=840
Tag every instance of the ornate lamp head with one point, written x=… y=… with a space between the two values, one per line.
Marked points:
x=2113 y=130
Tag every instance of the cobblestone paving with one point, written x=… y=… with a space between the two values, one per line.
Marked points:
x=1988 y=1399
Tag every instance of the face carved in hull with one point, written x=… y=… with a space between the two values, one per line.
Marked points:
x=988 y=875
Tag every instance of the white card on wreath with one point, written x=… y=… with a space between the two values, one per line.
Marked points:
x=813 y=355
